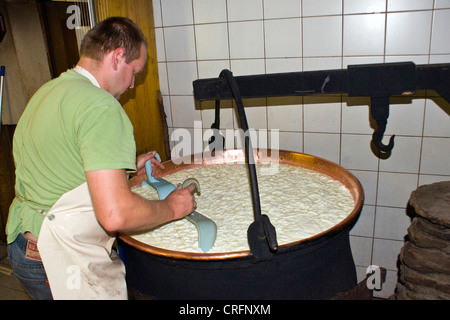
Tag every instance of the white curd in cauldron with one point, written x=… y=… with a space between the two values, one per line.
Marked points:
x=299 y=202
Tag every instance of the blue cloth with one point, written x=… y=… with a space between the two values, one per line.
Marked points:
x=30 y=273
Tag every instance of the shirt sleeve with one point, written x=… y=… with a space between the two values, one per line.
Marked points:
x=106 y=139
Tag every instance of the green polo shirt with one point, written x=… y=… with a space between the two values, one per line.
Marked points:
x=69 y=127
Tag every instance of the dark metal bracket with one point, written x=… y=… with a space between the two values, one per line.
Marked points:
x=377 y=81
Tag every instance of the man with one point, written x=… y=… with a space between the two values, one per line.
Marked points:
x=73 y=148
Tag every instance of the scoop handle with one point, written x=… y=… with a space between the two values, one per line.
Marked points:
x=148 y=168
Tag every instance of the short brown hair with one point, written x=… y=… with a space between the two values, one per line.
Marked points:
x=110 y=34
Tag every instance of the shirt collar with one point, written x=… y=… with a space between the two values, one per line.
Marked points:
x=87 y=74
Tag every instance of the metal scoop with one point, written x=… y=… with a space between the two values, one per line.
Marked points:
x=206 y=228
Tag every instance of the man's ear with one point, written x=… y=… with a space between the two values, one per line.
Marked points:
x=118 y=57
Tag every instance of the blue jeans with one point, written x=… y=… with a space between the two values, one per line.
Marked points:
x=30 y=273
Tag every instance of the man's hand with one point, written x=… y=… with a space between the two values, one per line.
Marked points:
x=181 y=201
x=140 y=175
x=143 y=158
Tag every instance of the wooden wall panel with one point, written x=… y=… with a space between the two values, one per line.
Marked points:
x=7 y=176
x=141 y=103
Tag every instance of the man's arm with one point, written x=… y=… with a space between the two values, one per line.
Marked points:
x=118 y=209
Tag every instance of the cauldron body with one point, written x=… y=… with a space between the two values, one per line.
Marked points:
x=316 y=271
x=318 y=267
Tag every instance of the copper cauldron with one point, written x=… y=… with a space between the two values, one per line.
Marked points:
x=317 y=267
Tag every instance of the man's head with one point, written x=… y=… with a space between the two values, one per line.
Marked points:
x=110 y=34
x=116 y=50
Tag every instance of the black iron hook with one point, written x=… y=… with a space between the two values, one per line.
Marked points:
x=220 y=144
x=379 y=110
x=377 y=136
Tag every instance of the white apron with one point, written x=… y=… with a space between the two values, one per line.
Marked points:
x=76 y=251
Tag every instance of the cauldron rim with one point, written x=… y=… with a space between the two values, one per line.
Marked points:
x=303 y=160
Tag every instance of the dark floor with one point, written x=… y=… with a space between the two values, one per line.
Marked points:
x=10 y=287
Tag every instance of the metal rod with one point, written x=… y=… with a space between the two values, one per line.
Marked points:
x=261 y=233
x=357 y=80
x=273 y=85
x=91 y=13
x=2 y=76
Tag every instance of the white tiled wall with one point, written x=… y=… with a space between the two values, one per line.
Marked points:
x=198 y=38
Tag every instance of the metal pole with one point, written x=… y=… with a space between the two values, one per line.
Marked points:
x=91 y=13
x=2 y=76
